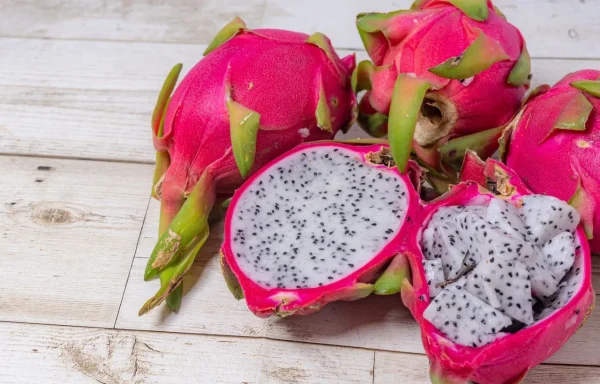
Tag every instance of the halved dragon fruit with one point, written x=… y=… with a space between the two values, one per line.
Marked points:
x=445 y=76
x=255 y=95
x=317 y=224
x=518 y=300
x=330 y=221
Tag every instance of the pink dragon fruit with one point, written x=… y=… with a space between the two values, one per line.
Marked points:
x=526 y=293
x=446 y=76
x=552 y=145
x=255 y=95
x=497 y=283
x=316 y=225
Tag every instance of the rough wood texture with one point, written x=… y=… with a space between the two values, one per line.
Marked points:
x=78 y=79
x=546 y=25
x=83 y=355
x=68 y=234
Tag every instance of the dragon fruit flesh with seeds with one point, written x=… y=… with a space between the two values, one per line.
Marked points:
x=446 y=73
x=488 y=323
x=255 y=95
x=317 y=224
x=329 y=221
x=552 y=144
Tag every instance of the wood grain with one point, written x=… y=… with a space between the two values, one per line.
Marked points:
x=209 y=308
x=86 y=99
x=558 y=28
x=82 y=355
x=68 y=232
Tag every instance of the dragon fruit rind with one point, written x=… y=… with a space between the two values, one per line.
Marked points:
x=553 y=145
x=499 y=281
x=445 y=76
x=255 y=95
x=318 y=224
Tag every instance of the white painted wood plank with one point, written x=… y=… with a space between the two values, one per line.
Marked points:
x=376 y=322
x=68 y=232
x=94 y=99
x=556 y=28
x=50 y=354
x=393 y=368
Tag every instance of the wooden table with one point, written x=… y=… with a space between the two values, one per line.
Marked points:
x=78 y=81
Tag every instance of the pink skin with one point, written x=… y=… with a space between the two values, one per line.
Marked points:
x=265 y=302
x=273 y=72
x=472 y=169
x=555 y=165
x=418 y=43
x=508 y=359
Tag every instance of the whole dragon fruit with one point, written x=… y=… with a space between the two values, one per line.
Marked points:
x=318 y=224
x=255 y=95
x=552 y=145
x=497 y=283
x=445 y=76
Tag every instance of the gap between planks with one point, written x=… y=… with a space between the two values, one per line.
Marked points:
x=132 y=261
x=74 y=355
x=223 y=336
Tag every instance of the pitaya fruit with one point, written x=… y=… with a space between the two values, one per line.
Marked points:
x=331 y=221
x=446 y=73
x=317 y=224
x=488 y=324
x=552 y=145
x=255 y=95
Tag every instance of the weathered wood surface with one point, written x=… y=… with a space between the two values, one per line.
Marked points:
x=68 y=233
x=50 y=354
x=78 y=80
x=557 y=28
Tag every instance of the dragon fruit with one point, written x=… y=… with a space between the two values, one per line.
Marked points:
x=445 y=76
x=255 y=95
x=488 y=324
x=317 y=224
x=552 y=145
x=330 y=221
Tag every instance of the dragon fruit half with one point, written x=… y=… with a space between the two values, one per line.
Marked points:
x=498 y=283
x=552 y=145
x=255 y=95
x=316 y=225
x=446 y=76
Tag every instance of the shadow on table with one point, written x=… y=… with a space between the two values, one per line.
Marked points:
x=358 y=321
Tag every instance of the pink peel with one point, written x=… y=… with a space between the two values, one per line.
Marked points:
x=397 y=266
x=507 y=359
x=477 y=83
x=242 y=105
x=265 y=302
x=553 y=146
